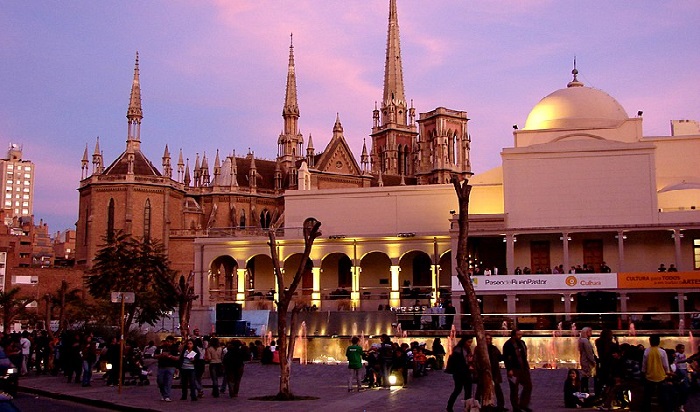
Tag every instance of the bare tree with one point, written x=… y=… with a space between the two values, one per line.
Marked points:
x=311 y=230
x=483 y=365
x=184 y=290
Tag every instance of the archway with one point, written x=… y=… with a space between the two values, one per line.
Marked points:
x=445 y=277
x=291 y=264
x=336 y=274
x=222 y=279
x=375 y=280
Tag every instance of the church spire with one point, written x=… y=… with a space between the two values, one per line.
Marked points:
x=291 y=107
x=290 y=141
x=134 y=113
x=394 y=103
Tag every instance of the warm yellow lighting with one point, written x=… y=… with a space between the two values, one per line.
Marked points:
x=395 y=299
x=392 y=380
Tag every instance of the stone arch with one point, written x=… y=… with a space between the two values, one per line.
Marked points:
x=222 y=278
x=260 y=276
x=265 y=219
x=416 y=268
x=336 y=272
x=291 y=264
x=375 y=276
x=445 y=276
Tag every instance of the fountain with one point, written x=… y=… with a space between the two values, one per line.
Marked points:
x=451 y=340
x=573 y=329
x=633 y=331
x=681 y=327
x=363 y=342
x=300 y=347
x=504 y=328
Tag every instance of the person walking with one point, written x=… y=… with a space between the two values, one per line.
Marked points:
x=518 y=371
x=234 y=363
x=213 y=355
x=89 y=357
x=168 y=357
x=386 y=354
x=495 y=357
x=458 y=366
x=200 y=345
x=586 y=357
x=26 y=346
x=354 y=355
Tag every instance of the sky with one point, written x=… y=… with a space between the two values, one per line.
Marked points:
x=213 y=72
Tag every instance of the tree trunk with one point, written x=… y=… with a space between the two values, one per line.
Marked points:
x=286 y=295
x=483 y=364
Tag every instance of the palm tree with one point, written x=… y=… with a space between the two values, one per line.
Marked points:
x=12 y=306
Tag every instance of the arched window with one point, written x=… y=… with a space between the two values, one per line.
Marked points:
x=265 y=219
x=110 y=220
x=147 y=221
x=242 y=224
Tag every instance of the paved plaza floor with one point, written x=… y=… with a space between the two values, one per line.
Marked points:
x=327 y=382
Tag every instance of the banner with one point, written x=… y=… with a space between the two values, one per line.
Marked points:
x=663 y=280
x=574 y=282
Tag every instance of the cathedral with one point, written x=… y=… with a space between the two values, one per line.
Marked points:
x=242 y=196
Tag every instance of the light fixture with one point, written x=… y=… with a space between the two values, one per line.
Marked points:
x=640 y=113
x=624 y=237
x=452 y=212
x=336 y=237
x=392 y=380
x=567 y=238
x=407 y=234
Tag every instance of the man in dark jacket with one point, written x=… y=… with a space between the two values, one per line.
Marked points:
x=515 y=358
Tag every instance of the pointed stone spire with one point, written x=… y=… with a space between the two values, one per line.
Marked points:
x=290 y=141
x=291 y=107
x=337 y=127
x=310 y=152
x=380 y=181
x=205 y=170
x=97 y=161
x=217 y=169
x=134 y=113
x=364 y=159
x=394 y=98
x=234 y=170
x=180 y=167
x=252 y=173
x=186 y=180
x=167 y=169
x=84 y=164
x=197 y=172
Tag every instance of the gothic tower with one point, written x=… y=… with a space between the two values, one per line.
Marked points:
x=290 y=142
x=444 y=146
x=394 y=132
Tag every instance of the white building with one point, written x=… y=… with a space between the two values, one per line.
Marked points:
x=17 y=184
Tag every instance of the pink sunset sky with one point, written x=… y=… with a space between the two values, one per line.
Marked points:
x=213 y=72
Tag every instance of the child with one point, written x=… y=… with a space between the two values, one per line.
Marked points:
x=419 y=361
x=573 y=397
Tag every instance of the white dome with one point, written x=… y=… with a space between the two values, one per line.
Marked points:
x=576 y=107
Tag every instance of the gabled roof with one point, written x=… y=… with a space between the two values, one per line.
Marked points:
x=142 y=166
x=338 y=158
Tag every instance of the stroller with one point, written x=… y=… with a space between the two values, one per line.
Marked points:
x=136 y=370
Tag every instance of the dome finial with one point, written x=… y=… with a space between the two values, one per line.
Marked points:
x=574 y=82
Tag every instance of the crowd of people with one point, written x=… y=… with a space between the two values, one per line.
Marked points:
x=623 y=372
x=610 y=375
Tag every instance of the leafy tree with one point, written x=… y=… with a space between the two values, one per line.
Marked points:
x=69 y=303
x=12 y=305
x=127 y=264
x=485 y=380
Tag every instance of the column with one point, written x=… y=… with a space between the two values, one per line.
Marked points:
x=434 y=285
x=677 y=236
x=623 y=305
x=394 y=296
x=240 y=290
x=355 y=293
x=620 y=251
x=682 y=318
x=567 y=305
x=565 y=250
x=510 y=255
x=316 y=291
